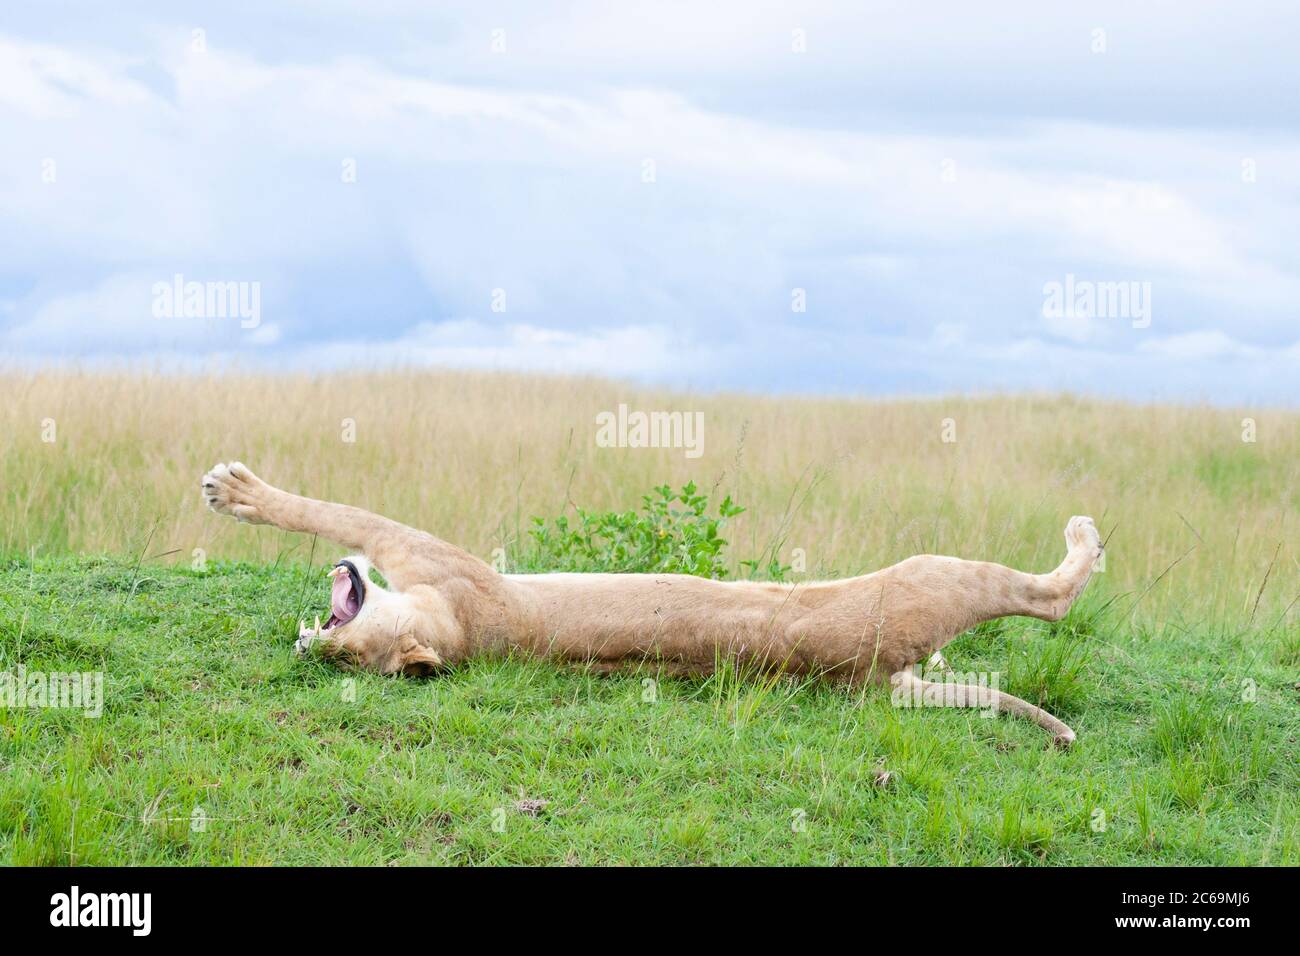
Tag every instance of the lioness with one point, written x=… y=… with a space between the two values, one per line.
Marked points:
x=444 y=605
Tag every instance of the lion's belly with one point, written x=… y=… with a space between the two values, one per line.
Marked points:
x=673 y=617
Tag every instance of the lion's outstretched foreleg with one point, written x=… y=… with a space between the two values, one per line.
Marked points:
x=403 y=554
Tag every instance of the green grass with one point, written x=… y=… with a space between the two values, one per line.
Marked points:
x=290 y=761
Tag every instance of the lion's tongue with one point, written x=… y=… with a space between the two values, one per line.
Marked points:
x=342 y=602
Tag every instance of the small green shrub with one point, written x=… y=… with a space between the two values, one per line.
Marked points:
x=673 y=533
x=770 y=570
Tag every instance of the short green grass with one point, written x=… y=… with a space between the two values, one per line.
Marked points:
x=217 y=745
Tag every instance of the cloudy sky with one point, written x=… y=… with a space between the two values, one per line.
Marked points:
x=872 y=198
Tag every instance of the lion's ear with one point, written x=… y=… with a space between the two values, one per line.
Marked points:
x=419 y=661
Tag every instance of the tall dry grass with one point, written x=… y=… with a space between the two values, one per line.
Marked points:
x=856 y=484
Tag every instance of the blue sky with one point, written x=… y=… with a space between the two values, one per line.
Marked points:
x=642 y=190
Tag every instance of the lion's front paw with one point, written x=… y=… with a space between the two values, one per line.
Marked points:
x=234 y=490
x=1081 y=535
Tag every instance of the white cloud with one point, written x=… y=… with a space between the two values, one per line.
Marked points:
x=228 y=164
x=1214 y=344
x=117 y=317
x=48 y=82
x=629 y=351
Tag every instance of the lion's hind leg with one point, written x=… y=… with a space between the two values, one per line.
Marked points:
x=1051 y=595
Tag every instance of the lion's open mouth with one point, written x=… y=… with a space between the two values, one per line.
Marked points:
x=347 y=594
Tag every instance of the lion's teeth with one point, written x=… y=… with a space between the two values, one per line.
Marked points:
x=317 y=628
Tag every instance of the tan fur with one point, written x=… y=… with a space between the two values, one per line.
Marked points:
x=446 y=605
